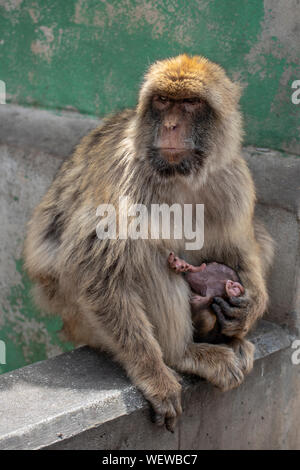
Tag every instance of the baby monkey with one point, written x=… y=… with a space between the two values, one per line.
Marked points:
x=206 y=282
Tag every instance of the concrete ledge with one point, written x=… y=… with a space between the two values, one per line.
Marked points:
x=63 y=397
x=32 y=128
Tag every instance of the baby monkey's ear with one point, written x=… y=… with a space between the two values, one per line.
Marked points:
x=234 y=289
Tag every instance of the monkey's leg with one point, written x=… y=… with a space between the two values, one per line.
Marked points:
x=124 y=330
x=217 y=364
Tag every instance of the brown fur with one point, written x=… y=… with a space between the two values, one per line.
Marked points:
x=105 y=295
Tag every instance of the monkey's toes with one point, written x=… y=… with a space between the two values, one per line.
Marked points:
x=244 y=351
x=230 y=374
x=166 y=411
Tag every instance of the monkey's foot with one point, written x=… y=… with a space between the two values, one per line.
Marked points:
x=228 y=370
x=216 y=363
x=244 y=351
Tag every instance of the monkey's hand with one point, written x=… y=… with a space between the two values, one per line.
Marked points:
x=237 y=315
x=177 y=264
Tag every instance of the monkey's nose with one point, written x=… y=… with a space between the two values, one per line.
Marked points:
x=171 y=127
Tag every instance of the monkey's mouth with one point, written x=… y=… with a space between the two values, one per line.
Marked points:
x=174 y=160
x=174 y=155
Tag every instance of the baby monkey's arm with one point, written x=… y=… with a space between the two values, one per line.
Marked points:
x=181 y=266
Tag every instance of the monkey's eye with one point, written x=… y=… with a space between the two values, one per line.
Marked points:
x=160 y=102
x=191 y=100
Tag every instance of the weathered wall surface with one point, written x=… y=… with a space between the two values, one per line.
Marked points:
x=90 y=55
x=33 y=145
x=28 y=335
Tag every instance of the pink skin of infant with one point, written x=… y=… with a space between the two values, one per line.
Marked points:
x=207 y=281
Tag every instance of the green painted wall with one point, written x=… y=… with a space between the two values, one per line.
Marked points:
x=91 y=54
x=21 y=314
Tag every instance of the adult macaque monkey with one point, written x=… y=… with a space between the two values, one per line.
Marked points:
x=180 y=145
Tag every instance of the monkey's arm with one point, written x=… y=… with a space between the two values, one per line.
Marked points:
x=181 y=266
x=237 y=315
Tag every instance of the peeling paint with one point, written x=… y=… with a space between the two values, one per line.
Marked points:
x=274 y=58
x=11 y=5
x=43 y=46
x=34 y=13
x=278 y=36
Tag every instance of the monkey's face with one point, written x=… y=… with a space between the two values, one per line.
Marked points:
x=187 y=117
x=180 y=134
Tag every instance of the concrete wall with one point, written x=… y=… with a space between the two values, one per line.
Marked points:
x=33 y=145
x=90 y=55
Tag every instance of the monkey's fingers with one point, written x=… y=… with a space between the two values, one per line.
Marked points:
x=221 y=319
x=228 y=327
x=173 y=262
x=240 y=302
x=179 y=265
x=172 y=420
x=171 y=424
x=185 y=267
x=226 y=308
